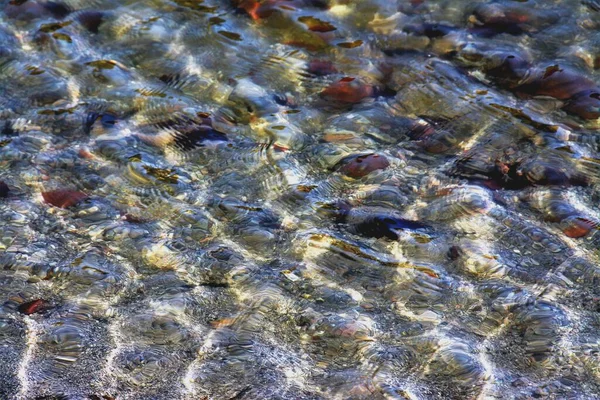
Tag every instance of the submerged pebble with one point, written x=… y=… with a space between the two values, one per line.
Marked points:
x=63 y=198
x=4 y=189
x=308 y=199
x=362 y=165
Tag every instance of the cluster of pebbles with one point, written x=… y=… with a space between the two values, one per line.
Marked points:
x=299 y=199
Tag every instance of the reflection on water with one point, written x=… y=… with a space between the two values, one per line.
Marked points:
x=299 y=199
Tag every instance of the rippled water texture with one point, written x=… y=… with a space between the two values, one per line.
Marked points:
x=299 y=199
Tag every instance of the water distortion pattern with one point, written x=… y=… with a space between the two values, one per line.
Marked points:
x=299 y=199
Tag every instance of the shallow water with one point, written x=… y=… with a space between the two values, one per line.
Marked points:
x=299 y=199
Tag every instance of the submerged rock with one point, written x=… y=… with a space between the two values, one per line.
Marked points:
x=4 y=189
x=363 y=165
x=307 y=199
x=63 y=198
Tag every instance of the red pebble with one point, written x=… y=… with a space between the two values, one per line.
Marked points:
x=32 y=307
x=578 y=227
x=365 y=164
x=63 y=198
x=348 y=90
x=257 y=9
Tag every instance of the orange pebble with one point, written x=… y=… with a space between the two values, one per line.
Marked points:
x=365 y=164
x=578 y=227
x=348 y=90
x=63 y=198
x=31 y=307
x=85 y=153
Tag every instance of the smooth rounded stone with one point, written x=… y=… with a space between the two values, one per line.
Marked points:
x=63 y=160
x=585 y=51
x=32 y=271
x=156 y=329
x=234 y=378
x=257 y=238
x=585 y=104
x=417 y=292
x=458 y=202
x=344 y=258
x=284 y=135
x=64 y=354
x=163 y=284
x=248 y=98
x=96 y=212
x=552 y=204
x=342 y=337
x=124 y=232
x=50 y=87
x=159 y=255
x=138 y=368
x=380 y=223
x=577 y=227
x=348 y=90
x=364 y=125
x=473 y=258
x=114 y=148
x=383 y=196
x=554 y=81
x=166 y=178
x=13 y=218
x=231 y=247
x=328 y=156
x=213 y=267
x=362 y=165
x=552 y=171
x=34 y=307
x=581 y=272
x=347 y=382
x=493 y=18
x=4 y=189
x=63 y=198
x=507 y=69
x=92 y=269
x=185 y=135
x=242 y=212
x=456 y=363
x=18 y=152
x=66 y=342
x=540 y=326
x=106 y=74
x=398 y=41
x=333 y=298
x=224 y=373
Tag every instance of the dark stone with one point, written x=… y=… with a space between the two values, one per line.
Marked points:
x=4 y=189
